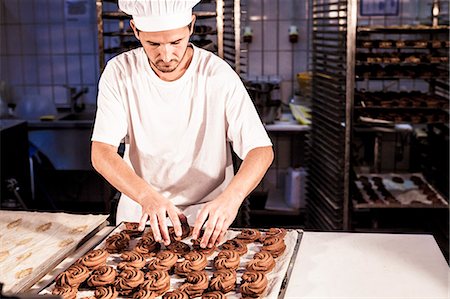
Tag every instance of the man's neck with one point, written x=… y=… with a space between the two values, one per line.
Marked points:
x=180 y=70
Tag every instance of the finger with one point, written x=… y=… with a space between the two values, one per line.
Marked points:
x=155 y=228
x=221 y=236
x=143 y=221
x=163 y=227
x=210 y=225
x=201 y=218
x=175 y=222
x=217 y=231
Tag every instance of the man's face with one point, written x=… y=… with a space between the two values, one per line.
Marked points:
x=165 y=49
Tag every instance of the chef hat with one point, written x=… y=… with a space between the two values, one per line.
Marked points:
x=159 y=15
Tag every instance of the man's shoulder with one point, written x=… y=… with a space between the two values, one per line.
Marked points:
x=128 y=58
x=213 y=64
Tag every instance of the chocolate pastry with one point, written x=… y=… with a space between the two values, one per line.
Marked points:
x=274 y=245
x=106 y=292
x=164 y=260
x=276 y=232
x=262 y=262
x=223 y=280
x=214 y=295
x=185 y=232
x=235 y=245
x=73 y=276
x=206 y=251
x=227 y=259
x=117 y=243
x=196 y=283
x=176 y=294
x=144 y=294
x=398 y=180
x=128 y=280
x=104 y=275
x=95 y=258
x=132 y=259
x=147 y=246
x=157 y=281
x=179 y=248
x=253 y=284
x=193 y=261
x=131 y=229
x=65 y=291
x=249 y=235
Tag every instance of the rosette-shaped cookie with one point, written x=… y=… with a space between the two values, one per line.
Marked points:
x=144 y=294
x=262 y=262
x=206 y=251
x=131 y=229
x=274 y=245
x=253 y=284
x=196 y=283
x=73 y=276
x=156 y=281
x=185 y=232
x=117 y=243
x=104 y=275
x=214 y=295
x=95 y=258
x=147 y=246
x=249 y=235
x=223 y=280
x=236 y=245
x=193 y=261
x=175 y=294
x=65 y=291
x=227 y=259
x=179 y=248
x=106 y=292
x=132 y=259
x=276 y=232
x=164 y=260
x=128 y=280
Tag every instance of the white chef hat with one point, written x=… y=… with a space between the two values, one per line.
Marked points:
x=159 y=15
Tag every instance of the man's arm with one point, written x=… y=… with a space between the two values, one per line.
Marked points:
x=218 y=214
x=111 y=166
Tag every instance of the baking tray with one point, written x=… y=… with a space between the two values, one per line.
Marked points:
x=405 y=194
x=278 y=277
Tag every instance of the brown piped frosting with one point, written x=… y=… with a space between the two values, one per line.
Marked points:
x=235 y=245
x=249 y=235
x=144 y=294
x=253 y=284
x=117 y=243
x=95 y=258
x=65 y=291
x=176 y=294
x=223 y=280
x=157 y=281
x=104 y=275
x=179 y=248
x=206 y=251
x=214 y=295
x=227 y=259
x=106 y=292
x=131 y=229
x=193 y=261
x=128 y=280
x=262 y=262
x=186 y=231
x=73 y=276
x=132 y=259
x=196 y=283
x=274 y=245
x=147 y=246
x=164 y=260
x=275 y=232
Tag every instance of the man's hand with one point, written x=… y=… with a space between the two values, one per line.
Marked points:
x=218 y=214
x=156 y=209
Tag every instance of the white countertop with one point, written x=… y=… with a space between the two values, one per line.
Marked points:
x=357 y=265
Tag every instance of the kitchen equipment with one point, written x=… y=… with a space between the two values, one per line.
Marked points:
x=265 y=95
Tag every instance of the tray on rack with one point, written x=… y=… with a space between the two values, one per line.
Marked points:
x=278 y=278
x=394 y=190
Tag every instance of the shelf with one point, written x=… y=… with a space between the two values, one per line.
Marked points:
x=365 y=206
x=287 y=127
x=403 y=29
x=205 y=14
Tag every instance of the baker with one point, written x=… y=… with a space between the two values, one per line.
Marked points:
x=177 y=108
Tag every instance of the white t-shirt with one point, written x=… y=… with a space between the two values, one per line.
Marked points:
x=177 y=133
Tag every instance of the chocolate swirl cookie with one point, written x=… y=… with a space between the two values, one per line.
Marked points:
x=227 y=259
x=117 y=243
x=196 y=283
x=65 y=291
x=147 y=246
x=176 y=294
x=274 y=245
x=253 y=284
x=104 y=275
x=73 y=276
x=128 y=280
x=206 y=251
x=106 y=292
x=131 y=229
x=193 y=261
x=249 y=235
x=276 y=232
x=131 y=259
x=223 y=280
x=144 y=294
x=185 y=232
x=214 y=295
x=164 y=260
x=235 y=245
x=94 y=258
x=179 y=248
x=262 y=262
x=156 y=281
